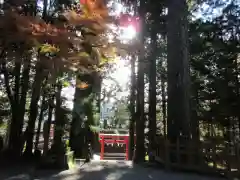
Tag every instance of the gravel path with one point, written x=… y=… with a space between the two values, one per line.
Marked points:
x=111 y=170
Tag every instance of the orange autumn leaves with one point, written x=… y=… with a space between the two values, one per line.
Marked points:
x=95 y=7
x=93 y=15
x=58 y=37
x=25 y=27
x=31 y=30
x=81 y=84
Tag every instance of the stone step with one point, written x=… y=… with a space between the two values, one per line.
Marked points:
x=115 y=154
x=114 y=158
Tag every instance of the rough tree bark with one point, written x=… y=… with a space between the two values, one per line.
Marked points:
x=77 y=136
x=178 y=71
x=152 y=94
x=23 y=99
x=17 y=98
x=58 y=147
x=40 y=119
x=36 y=90
x=47 y=125
x=139 y=155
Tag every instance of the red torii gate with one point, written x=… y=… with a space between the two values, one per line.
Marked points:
x=113 y=139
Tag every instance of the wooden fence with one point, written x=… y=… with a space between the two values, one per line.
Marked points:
x=202 y=157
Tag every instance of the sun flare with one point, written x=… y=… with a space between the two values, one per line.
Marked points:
x=128 y=33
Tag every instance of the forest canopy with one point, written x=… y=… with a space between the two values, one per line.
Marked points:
x=183 y=57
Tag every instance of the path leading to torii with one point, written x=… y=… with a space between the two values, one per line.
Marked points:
x=112 y=170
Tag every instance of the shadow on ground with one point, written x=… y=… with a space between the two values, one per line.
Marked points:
x=121 y=171
x=24 y=172
x=110 y=170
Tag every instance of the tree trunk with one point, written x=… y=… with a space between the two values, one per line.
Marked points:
x=33 y=109
x=23 y=99
x=17 y=103
x=178 y=71
x=139 y=155
x=45 y=5
x=58 y=147
x=10 y=97
x=152 y=95
x=132 y=109
x=41 y=116
x=47 y=125
x=77 y=136
x=15 y=132
x=58 y=130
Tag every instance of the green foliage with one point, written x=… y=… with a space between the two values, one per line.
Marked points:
x=65 y=83
x=68 y=148
x=215 y=71
x=95 y=129
x=121 y=114
x=47 y=48
x=70 y=156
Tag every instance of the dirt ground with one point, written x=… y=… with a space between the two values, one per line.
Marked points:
x=104 y=170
